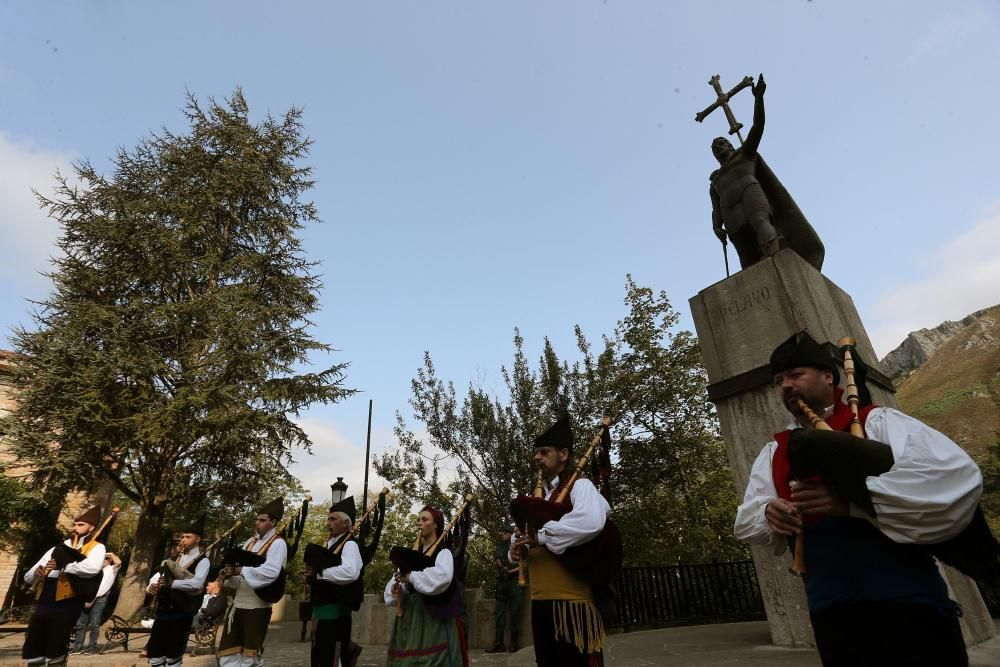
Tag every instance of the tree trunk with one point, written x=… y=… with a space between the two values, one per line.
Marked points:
x=141 y=561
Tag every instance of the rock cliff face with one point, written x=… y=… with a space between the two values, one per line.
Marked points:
x=957 y=389
x=920 y=345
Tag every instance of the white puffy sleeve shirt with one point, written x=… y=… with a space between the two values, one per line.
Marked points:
x=927 y=497
x=581 y=524
x=350 y=564
x=430 y=581
x=268 y=571
x=88 y=567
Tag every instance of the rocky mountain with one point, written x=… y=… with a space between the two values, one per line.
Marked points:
x=957 y=388
x=920 y=345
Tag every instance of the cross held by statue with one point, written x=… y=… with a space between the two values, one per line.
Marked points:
x=723 y=101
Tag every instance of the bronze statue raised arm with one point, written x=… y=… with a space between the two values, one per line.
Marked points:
x=749 y=203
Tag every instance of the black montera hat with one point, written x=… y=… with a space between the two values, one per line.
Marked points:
x=274 y=509
x=801 y=350
x=91 y=516
x=559 y=435
x=346 y=506
x=197 y=528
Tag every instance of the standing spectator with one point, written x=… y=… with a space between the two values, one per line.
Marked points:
x=93 y=611
x=509 y=595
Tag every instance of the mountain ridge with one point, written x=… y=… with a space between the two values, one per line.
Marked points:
x=956 y=390
x=920 y=345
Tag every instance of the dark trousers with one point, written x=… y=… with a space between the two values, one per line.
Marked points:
x=888 y=635
x=169 y=636
x=550 y=652
x=49 y=629
x=328 y=637
x=509 y=597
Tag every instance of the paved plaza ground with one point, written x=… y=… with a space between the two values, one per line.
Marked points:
x=695 y=646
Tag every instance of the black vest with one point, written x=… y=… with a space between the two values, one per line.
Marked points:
x=326 y=592
x=170 y=599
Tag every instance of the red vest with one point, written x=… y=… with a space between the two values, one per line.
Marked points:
x=840 y=420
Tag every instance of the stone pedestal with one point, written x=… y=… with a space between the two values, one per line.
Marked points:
x=739 y=322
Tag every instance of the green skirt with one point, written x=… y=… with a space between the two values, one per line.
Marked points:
x=419 y=639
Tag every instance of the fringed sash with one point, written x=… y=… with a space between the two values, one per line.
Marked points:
x=579 y=622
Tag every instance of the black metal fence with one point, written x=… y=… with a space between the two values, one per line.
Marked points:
x=656 y=597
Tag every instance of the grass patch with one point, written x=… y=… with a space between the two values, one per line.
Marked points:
x=951 y=400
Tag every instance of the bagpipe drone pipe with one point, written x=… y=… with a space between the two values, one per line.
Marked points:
x=84 y=588
x=844 y=460
x=170 y=599
x=237 y=557
x=322 y=591
x=599 y=560
x=318 y=557
x=455 y=537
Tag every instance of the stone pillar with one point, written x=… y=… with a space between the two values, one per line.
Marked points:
x=739 y=321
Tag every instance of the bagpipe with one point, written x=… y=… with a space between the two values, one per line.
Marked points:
x=597 y=561
x=845 y=459
x=455 y=536
x=171 y=570
x=237 y=557
x=318 y=557
x=417 y=559
x=84 y=588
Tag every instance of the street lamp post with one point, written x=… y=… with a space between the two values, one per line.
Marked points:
x=338 y=490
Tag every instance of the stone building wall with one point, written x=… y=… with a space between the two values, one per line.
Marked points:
x=8 y=557
x=75 y=503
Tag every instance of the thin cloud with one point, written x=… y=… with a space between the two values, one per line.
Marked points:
x=334 y=455
x=944 y=35
x=29 y=235
x=961 y=277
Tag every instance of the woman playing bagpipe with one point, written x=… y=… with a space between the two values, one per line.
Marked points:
x=574 y=551
x=428 y=597
x=868 y=496
x=63 y=579
x=257 y=573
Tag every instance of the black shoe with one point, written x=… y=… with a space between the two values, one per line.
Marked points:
x=497 y=648
x=353 y=653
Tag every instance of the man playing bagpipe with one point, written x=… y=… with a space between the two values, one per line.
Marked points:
x=64 y=578
x=336 y=588
x=866 y=513
x=246 y=626
x=178 y=587
x=428 y=628
x=566 y=624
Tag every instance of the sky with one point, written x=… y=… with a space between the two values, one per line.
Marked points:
x=486 y=166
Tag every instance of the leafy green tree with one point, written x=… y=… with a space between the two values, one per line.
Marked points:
x=399 y=530
x=14 y=503
x=674 y=497
x=169 y=356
